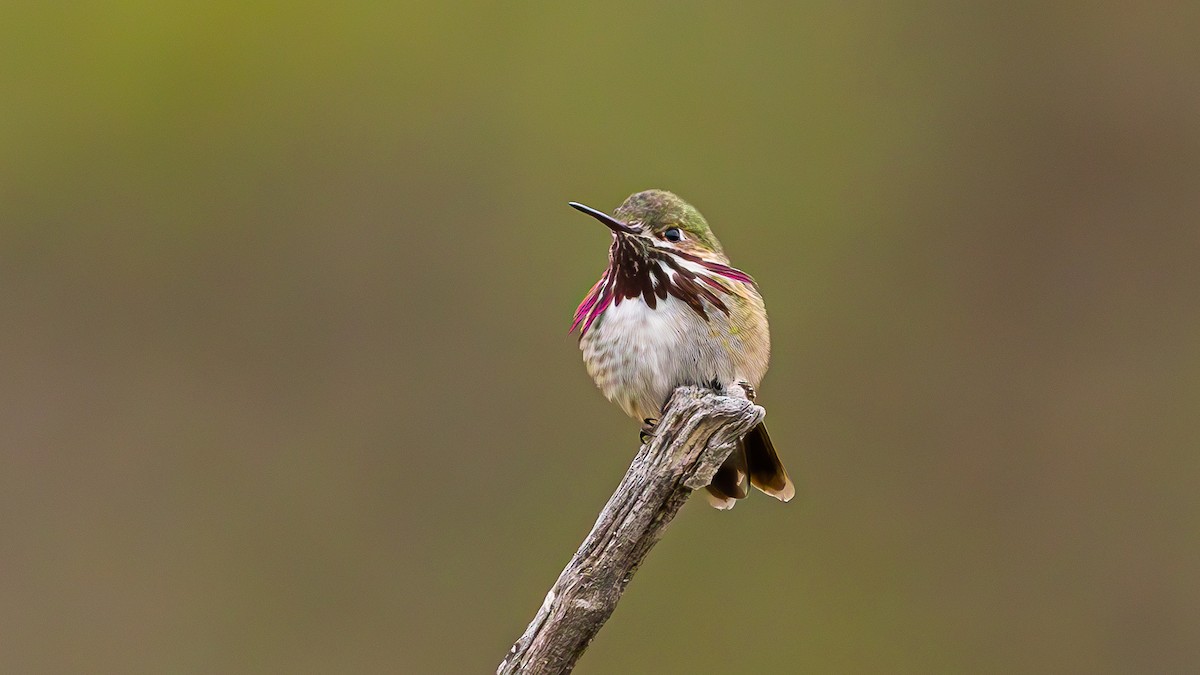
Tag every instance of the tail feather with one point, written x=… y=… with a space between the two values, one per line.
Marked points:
x=729 y=482
x=755 y=458
x=719 y=501
x=766 y=471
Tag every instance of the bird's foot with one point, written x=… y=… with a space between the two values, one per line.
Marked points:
x=648 y=426
x=747 y=391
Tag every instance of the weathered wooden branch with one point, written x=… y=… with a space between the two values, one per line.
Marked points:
x=693 y=438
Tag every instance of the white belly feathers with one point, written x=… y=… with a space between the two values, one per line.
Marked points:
x=638 y=355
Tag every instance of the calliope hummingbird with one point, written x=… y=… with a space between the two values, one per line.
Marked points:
x=671 y=311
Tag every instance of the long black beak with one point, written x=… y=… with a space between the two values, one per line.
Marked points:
x=612 y=223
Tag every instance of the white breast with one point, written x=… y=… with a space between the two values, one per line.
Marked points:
x=638 y=355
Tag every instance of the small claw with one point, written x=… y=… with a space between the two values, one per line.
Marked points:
x=750 y=392
x=644 y=436
x=648 y=428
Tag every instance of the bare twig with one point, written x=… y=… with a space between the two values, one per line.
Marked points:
x=695 y=435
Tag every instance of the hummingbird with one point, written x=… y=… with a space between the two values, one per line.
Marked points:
x=671 y=311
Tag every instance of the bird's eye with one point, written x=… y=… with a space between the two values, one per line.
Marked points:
x=672 y=234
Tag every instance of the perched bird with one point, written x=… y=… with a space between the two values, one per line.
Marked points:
x=671 y=311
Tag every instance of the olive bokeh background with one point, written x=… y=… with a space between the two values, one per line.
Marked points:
x=286 y=385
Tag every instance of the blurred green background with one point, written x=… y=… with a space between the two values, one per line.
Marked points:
x=286 y=384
